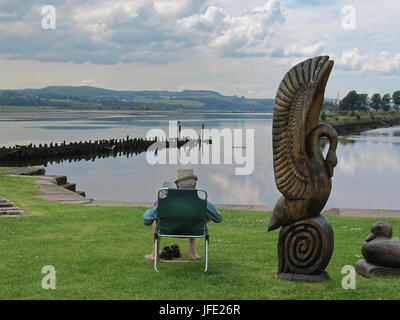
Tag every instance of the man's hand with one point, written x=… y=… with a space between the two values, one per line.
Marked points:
x=155 y=203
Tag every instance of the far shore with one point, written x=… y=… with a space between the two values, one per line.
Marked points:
x=67 y=114
x=356 y=126
x=343 y=126
x=86 y=114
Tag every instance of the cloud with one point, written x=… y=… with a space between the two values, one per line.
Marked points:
x=100 y=32
x=249 y=34
x=87 y=82
x=384 y=63
x=231 y=46
x=298 y=50
x=153 y=31
x=353 y=60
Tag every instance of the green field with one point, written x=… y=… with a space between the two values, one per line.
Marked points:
x=363 y=117
x=172 y=102
x=27 y=109
x=98 y=254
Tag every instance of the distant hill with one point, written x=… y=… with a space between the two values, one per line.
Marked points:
x=86 y=97
x=78 y=91
x=87 y=91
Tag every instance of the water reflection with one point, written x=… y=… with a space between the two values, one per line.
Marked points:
x=368 y=172
x=367 y=175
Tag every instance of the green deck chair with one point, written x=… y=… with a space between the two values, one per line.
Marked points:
x=181 y=214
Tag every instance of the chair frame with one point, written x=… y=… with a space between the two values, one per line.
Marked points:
x=157 y=236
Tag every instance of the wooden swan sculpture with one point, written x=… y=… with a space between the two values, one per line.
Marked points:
x=302 y=174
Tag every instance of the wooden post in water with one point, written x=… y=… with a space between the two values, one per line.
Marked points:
x=179 y=129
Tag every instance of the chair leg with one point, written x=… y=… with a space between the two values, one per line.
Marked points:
x=156 y=243
x=206 y=263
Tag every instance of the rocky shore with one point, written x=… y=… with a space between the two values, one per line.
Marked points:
x=354 y=126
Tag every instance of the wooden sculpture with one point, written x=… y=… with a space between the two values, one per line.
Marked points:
x=381 y=252
x=302 y=174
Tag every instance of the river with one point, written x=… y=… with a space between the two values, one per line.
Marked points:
x=367 y=175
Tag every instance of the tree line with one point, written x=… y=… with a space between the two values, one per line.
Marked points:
x=354 y=101
x=211 y=102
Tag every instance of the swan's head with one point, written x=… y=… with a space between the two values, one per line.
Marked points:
x=331 y=162
x=285 y=212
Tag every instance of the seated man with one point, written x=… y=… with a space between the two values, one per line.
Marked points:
x=186 y=179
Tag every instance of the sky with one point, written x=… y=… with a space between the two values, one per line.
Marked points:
x=234 y=47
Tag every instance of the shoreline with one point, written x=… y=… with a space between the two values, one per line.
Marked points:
x=354 y=126
x=54 y=193
x=346 y=212
x=86 y=114
x=65 y=115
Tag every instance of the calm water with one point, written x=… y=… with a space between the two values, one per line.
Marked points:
x=367 y=175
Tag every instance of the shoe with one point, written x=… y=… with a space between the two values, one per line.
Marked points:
x=166 y=253
x=175 y=251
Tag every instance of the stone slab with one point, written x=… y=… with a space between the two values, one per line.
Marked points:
x=55 y=193
x=52 y=190
x=28 y=171
x=59 y=197
x=6 y=204
x=370 y=270
x=9 y=209
x=69 y=186
x=60 y=180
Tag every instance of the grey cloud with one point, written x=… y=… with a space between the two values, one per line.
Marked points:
x=108 y=32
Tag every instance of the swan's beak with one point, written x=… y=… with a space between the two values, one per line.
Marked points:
x=277 y=215
x=370 y=237
x=331 y=162
x=330 y=170
x=273 y=225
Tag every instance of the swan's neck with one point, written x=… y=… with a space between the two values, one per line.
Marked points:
x=314 y=148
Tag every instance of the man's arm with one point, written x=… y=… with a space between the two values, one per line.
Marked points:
x=150 y=215
x=212 y=213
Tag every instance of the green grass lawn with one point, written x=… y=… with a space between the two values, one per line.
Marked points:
x=28 y=109
x=98 y=254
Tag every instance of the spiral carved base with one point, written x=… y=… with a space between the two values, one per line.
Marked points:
x=305 y=249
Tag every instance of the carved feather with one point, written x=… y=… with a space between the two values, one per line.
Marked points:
x=296 y=113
